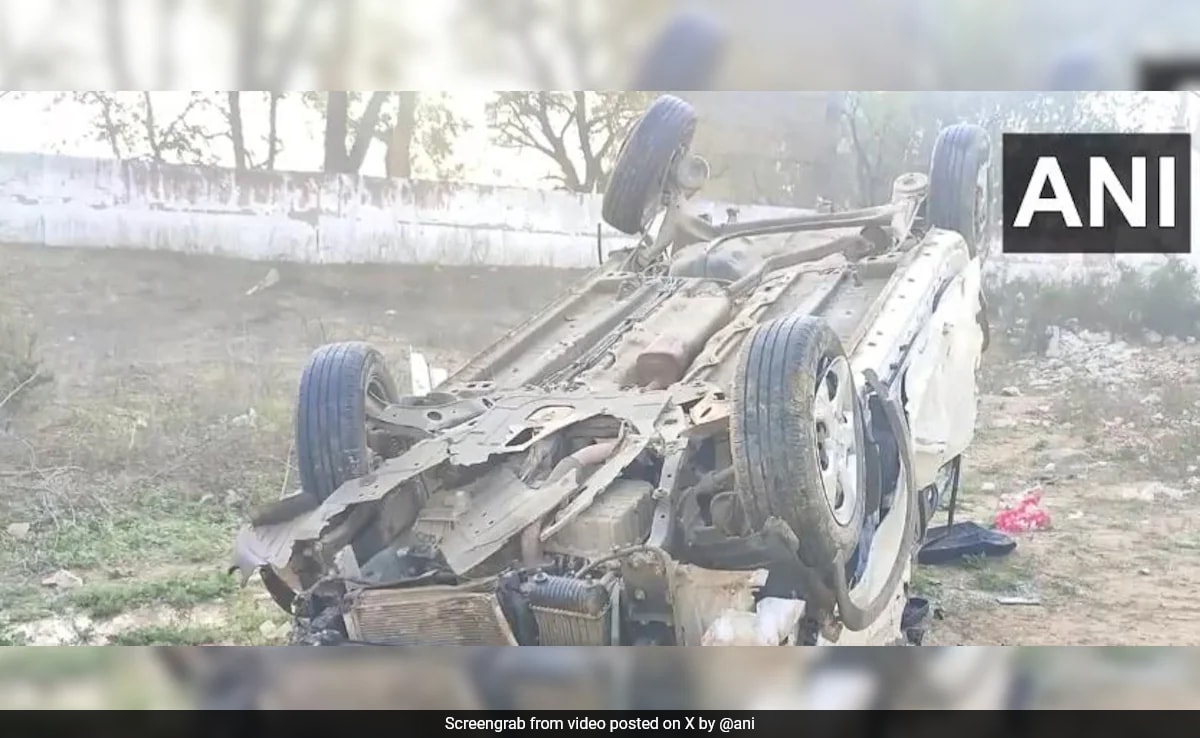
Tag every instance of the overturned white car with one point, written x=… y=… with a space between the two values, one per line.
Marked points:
x=724 y=435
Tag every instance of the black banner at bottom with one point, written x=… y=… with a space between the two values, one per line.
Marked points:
x=367 y=723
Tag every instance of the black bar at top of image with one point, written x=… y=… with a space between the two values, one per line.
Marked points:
x=798 y=723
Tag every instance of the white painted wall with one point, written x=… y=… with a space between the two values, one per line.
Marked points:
x=310 y=217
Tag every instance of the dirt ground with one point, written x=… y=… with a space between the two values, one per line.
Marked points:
x=169 y=412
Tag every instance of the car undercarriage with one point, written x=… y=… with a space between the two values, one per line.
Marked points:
x=724 y=435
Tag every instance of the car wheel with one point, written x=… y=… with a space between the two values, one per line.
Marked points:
x=340 y=384
x=798 y=437
x=958 y=182
x=635 y=189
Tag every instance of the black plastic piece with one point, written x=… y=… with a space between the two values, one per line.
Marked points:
x=948 y=544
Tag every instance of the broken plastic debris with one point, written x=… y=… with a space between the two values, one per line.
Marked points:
x=1024 y=515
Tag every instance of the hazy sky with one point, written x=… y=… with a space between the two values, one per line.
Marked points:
x=33 y=123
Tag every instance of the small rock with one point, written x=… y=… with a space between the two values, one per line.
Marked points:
x=1191 y=340
x=987 y=487
x=1191 y=468
x=232 y=497
x=18 y=531
x=1004 y=423
x=1153 y=337
x=1144 y=572
x=389 y=313
x=1049 y=468
x=267 y=629
x=1011 y=392
x=1151 y=399
x=245 y=420
x=62 y=579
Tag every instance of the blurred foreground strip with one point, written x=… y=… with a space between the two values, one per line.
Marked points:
x=580 y=679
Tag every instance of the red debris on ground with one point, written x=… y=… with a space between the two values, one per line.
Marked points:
x=1023 y=515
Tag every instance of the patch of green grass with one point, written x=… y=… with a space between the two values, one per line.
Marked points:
x=109 y=599
x=151 y=531
x=167 y=635
x=997 y=575
x=22 y=603
x=10 y=638
x=923 y=582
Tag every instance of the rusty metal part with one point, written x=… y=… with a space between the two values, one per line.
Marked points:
x=428 y=616
x=620 y=517
x=570 y=611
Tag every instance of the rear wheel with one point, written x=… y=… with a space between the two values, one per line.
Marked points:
x=342 y=383
x=959 y=182
x=658 y=140
x=798 y=436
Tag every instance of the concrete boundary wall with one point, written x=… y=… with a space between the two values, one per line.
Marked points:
x=295 y=216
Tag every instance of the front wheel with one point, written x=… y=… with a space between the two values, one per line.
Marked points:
x=640 y=177
x=959 y=188
x=798 y=436
x=342 y=384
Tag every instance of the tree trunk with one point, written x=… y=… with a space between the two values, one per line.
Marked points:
x=337 y=107
x=272 y=131
x=364 y=132
x=151 y=128
x=398 y=162
x=235 y=130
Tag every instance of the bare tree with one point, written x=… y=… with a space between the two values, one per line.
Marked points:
x=422 y=135
x=579 y=132
x=236 y=134
x=132 y=126
x=339 y=124
x=398 y=160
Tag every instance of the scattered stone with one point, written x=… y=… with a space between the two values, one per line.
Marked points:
x=1153 y=337
x=1144 y=572
x=18 y=531
x=62 y=579
x=1011 y=392
x=1153 y=491
x=987 y=487
x=1002 y=423
x=1018 y=601
x=1049 y=468
x=273 y=631
x=270 y=280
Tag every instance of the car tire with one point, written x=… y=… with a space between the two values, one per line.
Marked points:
x=331 y=418
x=786 y=434
x=635 y=189
x=958 y=182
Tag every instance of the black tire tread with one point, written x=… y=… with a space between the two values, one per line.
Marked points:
x=331 y=442
x=772 y=435
x=958 y=154
x=643 y=162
